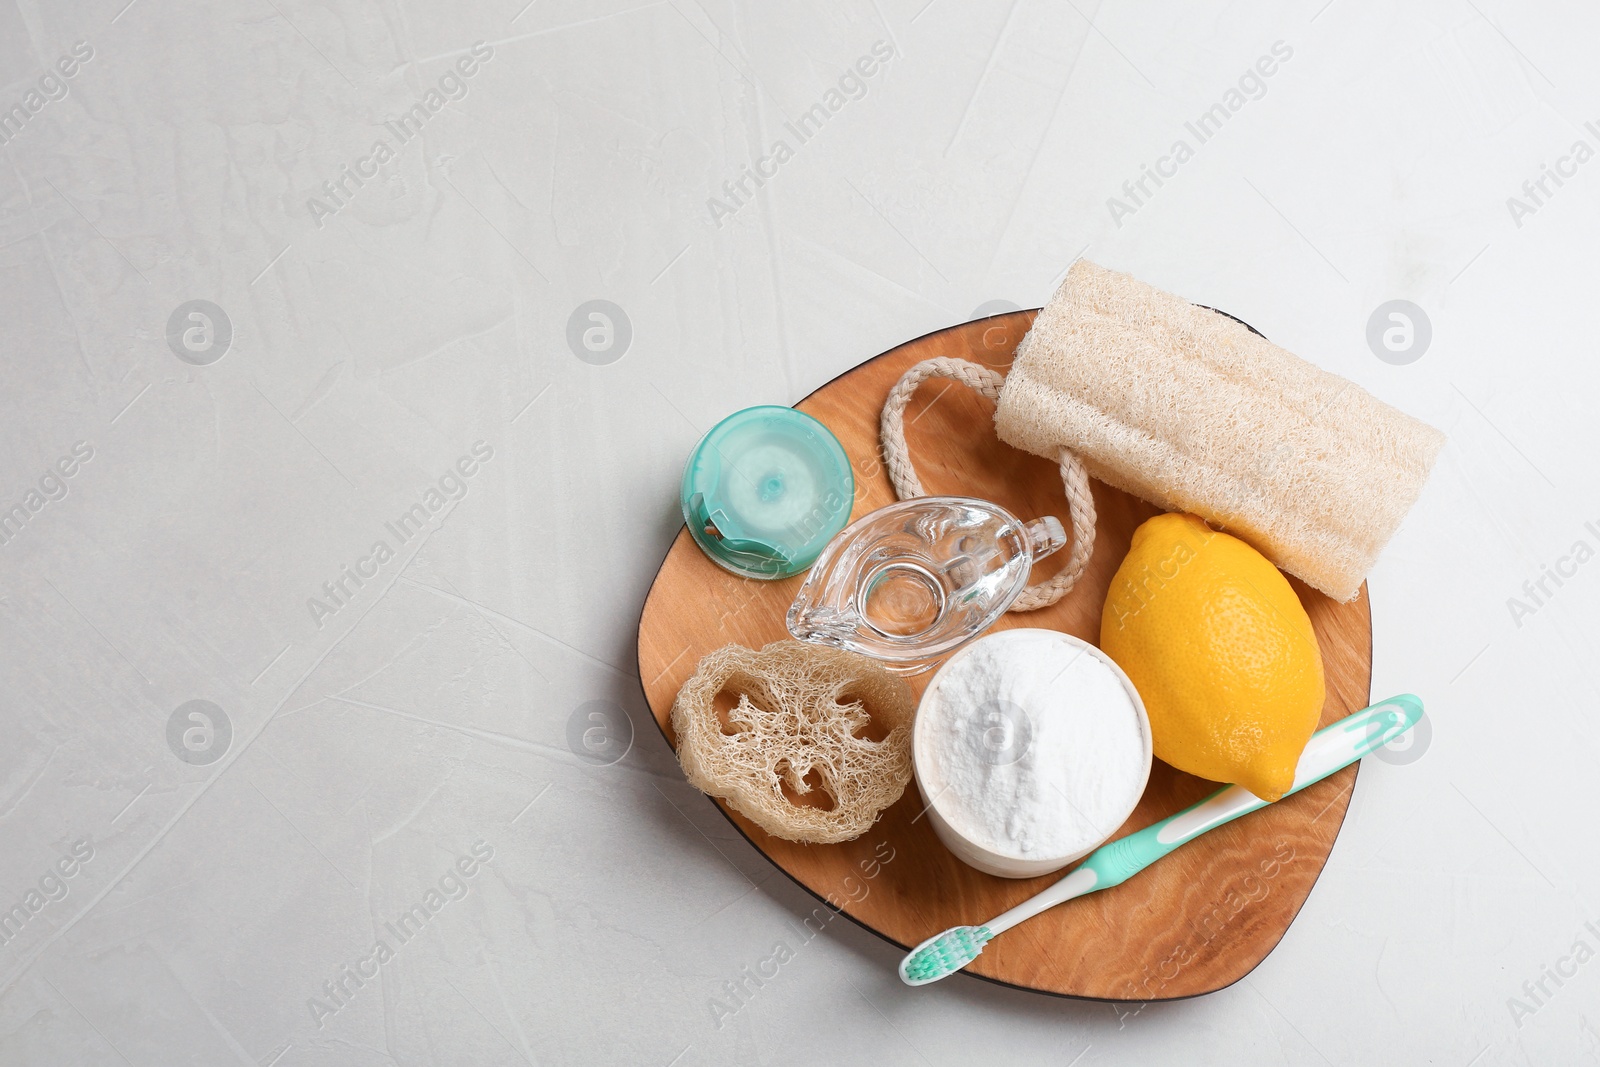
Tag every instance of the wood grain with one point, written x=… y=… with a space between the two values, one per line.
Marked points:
x=1194 y=923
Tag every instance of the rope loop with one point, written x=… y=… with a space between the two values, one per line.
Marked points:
x=897 y=457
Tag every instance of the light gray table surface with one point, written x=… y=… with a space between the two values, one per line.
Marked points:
x=282 y=282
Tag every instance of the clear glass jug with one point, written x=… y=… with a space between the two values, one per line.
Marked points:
x=912 y=582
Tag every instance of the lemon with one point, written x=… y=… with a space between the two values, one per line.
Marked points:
x=1220 y=650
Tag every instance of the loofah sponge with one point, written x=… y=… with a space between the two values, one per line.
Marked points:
x=802 y=709
x=1192 y=411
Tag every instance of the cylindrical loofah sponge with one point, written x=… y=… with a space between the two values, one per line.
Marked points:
x=1192 y=411
x=802 y=710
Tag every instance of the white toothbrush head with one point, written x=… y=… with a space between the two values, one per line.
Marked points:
x=943 y=954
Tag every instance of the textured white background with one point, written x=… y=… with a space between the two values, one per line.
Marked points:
x=428 y=713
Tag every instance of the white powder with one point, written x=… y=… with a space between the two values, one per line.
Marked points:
x=1030 y=746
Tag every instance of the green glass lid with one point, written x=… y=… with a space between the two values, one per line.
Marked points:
x=766 y=490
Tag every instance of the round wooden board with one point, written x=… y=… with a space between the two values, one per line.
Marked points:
x=1193 y=923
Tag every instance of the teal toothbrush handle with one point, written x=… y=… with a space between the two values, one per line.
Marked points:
x=1330 y=749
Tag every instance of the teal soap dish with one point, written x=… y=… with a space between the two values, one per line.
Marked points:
x=765 y=491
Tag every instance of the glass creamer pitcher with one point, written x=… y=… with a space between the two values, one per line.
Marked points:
x=912 y=582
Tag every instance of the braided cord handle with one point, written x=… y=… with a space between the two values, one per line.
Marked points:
x=897 y=456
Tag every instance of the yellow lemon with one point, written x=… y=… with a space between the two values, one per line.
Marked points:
x=1221 y=650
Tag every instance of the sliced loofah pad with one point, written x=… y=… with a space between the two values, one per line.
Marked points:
x=1190 y=410
x=801 y=709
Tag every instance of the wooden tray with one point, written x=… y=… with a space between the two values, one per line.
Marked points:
x=1194 y=923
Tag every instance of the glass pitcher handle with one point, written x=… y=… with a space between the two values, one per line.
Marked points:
x=1045 y=536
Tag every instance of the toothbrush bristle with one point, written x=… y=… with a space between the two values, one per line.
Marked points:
x=944 y=955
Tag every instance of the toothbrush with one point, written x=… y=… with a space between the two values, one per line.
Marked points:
x=1330 y=749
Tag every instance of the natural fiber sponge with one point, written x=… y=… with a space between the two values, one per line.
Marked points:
x=1192 y=411
x=806 y=718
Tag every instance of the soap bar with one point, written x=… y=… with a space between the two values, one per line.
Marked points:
x=1192 y=411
